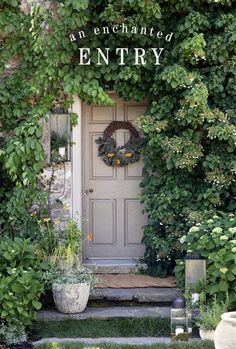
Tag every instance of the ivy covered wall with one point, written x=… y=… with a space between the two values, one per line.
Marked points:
x=189 y=161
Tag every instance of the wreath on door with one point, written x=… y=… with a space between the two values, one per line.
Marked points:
x=123 y=155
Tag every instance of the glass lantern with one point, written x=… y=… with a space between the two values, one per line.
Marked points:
x=195 y=281
x=195 y=270
x=179 y=320
x=60 y=130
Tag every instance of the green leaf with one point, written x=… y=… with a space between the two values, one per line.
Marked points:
x=37 y=305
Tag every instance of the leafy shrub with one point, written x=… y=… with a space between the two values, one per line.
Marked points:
x=210 y=315
x=12 y=333
x=20 y=281
x=215 y=239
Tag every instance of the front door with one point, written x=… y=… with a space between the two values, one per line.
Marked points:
x=111 y=207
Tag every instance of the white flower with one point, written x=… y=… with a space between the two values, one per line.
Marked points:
x=194 y=229
x=233 y=249
x=232 y=230
x=224 y=237
x=224 y=270
x=231 y=215
x=183 y=239
x=217 y=230
x=195 y=297
x=215 y=217
x=210 y=221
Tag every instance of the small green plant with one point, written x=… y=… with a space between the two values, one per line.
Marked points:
x=210 y=315
x=46 y=240
x=195 y=295
x=62 y=246
x=12 y=333
x=20 y=281
x=182 y=337
x=74 y=276
x=69 y=246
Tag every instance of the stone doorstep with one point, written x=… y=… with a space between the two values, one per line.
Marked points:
x=141 y=295
x=106 y=313
x=112 y=268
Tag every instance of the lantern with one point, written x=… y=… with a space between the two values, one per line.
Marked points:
x=195 y=270
x=60 y=130
x=195 y=282
x=179 y=320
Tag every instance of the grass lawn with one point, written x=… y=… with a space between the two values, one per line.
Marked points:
x=115 y=327
x=193 y=345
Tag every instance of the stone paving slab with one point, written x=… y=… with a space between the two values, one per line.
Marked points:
x=113 y=340
x=141 y=295
x=106 y=313
x=112 y=268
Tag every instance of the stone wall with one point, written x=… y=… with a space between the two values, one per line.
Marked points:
x=57 y=178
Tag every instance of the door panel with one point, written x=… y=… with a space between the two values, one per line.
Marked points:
x=112 y=210
x=134 y=221
x=104 y=230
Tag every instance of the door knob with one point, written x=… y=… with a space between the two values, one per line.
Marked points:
x=88 y=191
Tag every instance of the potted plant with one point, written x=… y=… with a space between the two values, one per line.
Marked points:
x=210 y=316
x=71 y=289
x=71 y=280
x=225 y=334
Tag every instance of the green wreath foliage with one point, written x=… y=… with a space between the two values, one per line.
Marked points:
x=120 y=156
x=189 y=158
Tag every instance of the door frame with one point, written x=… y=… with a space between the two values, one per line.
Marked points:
x=76 y=163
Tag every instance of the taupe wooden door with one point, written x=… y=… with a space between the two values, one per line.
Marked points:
x=112 y=211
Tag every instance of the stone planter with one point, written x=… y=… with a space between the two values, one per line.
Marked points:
x=71 y=298
x=225 y=334
x=207 y=335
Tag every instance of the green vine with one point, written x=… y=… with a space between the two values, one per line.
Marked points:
x=189 y=159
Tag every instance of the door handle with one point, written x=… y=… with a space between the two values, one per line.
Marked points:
x=88 y=191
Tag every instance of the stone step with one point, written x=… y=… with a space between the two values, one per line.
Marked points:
x=106 y=313
x=140 y=295
x=111 y=340
x=112 y=267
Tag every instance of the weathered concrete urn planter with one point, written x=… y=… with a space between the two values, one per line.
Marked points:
x=71 y=298
x=207 y=335
x=225 y=334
